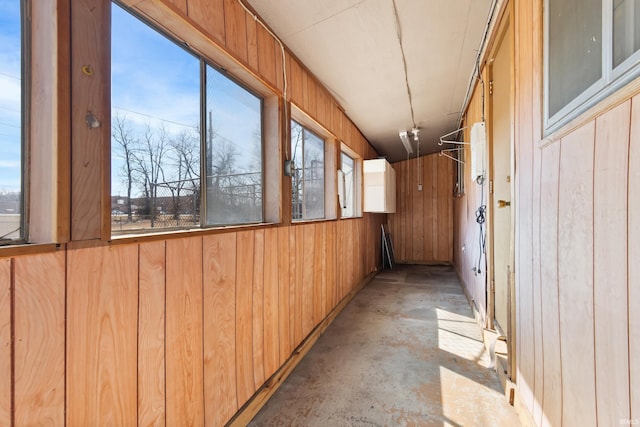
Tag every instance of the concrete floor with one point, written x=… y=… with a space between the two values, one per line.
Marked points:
x=405 y=352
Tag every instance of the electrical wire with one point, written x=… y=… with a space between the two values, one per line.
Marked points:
x=284 y=75
x=404 y=61
x=481 y=218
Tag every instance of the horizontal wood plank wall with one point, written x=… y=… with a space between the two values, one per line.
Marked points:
x=422 y=227
x=576 y=252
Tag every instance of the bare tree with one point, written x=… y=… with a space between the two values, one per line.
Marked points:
x=150 y=164
x=186 y=161
x=127 y=145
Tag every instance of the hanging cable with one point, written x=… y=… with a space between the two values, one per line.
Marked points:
x=284 y=75
x=404 y=61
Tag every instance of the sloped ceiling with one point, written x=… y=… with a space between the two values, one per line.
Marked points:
x=353 y=47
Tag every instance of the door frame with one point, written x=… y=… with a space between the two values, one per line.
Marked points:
x=505 y=29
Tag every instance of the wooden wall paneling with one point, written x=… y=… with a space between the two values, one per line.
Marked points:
x=151 y=334
x=235 y=29
x=339 y=249
x=451 y=180
x=39 y=335
x=401 y=207
x=305 y=91
x=308 y=278
x=575 y=273
x=332 y=299
x=90 y=147
x=552 y=383
x=300 y=309
x=435 y=230
x=417 y=218
x=324 y=306
x=610 y=265
x=252 y=42
x=279 y=72
x=430 y=205
x=102 y=326
x=181 y=5
x=538 y=382
x=295 y=327
x=321 y=106
x=6 y=347
x=271 y=303
x=244 y=315
x=524 y=234
x=219 y=328
x=184 y=335
x=443 y=214
x=318 y=256
x=267 y=55
x=337 y=117
x=284 y=324
x=313 y=89
x=258 y=308
x=633 y=255
x=295 y=80
x=209 y=15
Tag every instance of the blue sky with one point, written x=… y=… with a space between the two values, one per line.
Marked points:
x=10 y=95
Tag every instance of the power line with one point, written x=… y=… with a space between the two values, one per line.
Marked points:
x=10 y=125
x=10 y=76
x=154 y=117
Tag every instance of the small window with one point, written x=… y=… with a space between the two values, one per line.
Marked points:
x=11 y=121
x=347 y=183
x=592 y=50
x=174 y=115
x=308 y=184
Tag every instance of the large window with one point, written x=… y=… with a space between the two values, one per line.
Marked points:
x=11 y=120
x=174 y=115
x=591 y=50
x=308 y=184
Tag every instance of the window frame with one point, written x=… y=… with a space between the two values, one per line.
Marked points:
x=270 y=148
x=357 y=181
x=612 y=78
x=330 y=163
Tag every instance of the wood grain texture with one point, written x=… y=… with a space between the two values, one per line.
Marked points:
x=552 y=385
x=332 y=279
x=307 y=278
x=633 y=256
x=235 y=29
x=39 y=307
x=90 y=147
x=298 y=284
x=151 y=334
x=266 y=55
x=6 y=347
x=184 y=352
x=101 y=347
x=210 y=16
x=258 y=308
x=575 y=273
x=244 y=315
x=610 y=265
x=252 y=42
x=219 y=281
x=318 y=253
x=271 y=303
x=284 y=329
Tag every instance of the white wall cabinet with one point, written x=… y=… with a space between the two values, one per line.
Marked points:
x=379 y=186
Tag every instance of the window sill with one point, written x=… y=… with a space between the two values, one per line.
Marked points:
x=27 y=249
x=180 y=234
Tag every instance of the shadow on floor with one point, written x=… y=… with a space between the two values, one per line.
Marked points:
x=405 y=352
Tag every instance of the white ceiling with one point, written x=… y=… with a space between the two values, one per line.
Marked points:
x=352 y=47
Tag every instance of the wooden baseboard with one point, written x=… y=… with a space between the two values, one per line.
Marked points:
x=268 y=389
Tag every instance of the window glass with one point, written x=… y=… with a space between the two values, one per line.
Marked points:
x=626 y=29
x=10 y=120
x=348 y=192
x=574 y=49
x=233 y=152
x=307 y=150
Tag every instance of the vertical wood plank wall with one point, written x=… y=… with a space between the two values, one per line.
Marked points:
x=422 y=226
x=181 y=330
x=577 y=275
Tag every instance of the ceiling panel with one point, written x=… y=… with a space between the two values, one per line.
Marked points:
x=353 y=48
